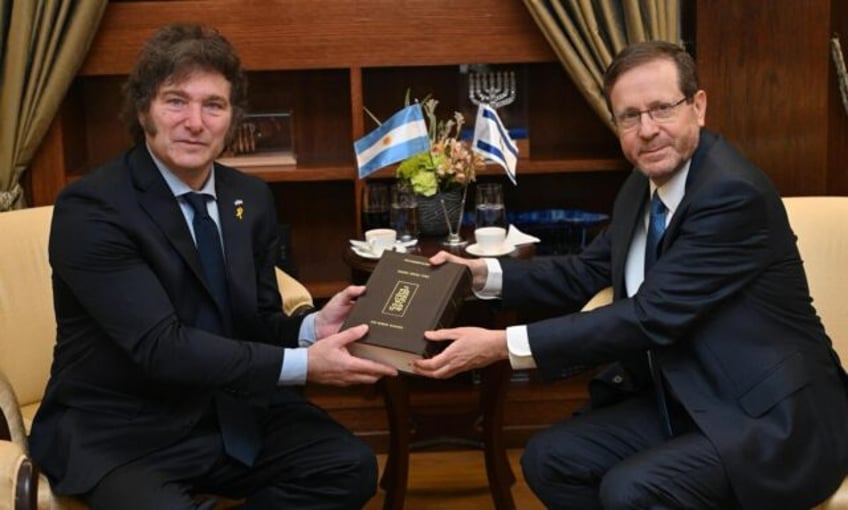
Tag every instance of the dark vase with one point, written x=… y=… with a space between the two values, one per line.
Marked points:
x=431 y=216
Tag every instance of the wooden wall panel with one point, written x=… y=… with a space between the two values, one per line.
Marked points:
x=838 y=121
x=766 y=69
x=323 y=33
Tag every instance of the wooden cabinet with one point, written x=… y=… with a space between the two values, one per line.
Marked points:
x=327 y=59
x=766 y=66
x=324 y=60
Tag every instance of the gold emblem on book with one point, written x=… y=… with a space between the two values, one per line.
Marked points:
x=400 y=299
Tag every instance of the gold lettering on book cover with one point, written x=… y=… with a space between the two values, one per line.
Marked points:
x=413 y=274
x=400 y=299
x=385 y=324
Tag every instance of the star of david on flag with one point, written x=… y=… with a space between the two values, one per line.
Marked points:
x=403 y=135
x=493 y=142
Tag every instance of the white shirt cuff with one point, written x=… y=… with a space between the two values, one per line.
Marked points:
x=518 y=345
x=494 y=280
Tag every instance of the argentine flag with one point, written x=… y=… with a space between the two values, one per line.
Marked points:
x=493 y=142
x=403 y=135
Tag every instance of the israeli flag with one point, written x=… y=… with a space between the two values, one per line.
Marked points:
x=403 y=135
x=493 y=142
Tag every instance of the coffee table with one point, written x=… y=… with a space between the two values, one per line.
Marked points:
x=410 y=428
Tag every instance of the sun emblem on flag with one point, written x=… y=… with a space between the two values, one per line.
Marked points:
x=387 y=140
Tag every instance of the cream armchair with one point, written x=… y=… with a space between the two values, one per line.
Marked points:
x=821 y=225
x=27 y=335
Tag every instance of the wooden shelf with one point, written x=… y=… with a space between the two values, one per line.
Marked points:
x=301 y=173
x=562 y=166
x=525 y=167
x=538 y=167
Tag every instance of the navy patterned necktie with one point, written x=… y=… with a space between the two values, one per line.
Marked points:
x=656 y=229
x=239 y=429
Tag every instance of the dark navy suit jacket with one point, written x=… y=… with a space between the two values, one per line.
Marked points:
x=726 y=309
x=130 y=373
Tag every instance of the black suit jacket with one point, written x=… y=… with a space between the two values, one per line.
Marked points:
x=726 y=309
x=130 y=372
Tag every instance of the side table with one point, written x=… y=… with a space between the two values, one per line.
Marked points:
x=478 y=428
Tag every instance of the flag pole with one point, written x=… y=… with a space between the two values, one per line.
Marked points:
x=373 y=117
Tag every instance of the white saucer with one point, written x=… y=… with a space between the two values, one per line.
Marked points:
x=368 y=254
x=364 y=246
x=504 y=249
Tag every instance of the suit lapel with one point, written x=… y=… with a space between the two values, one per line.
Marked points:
x=159 y=203
x=693 y=181
x=237 y=218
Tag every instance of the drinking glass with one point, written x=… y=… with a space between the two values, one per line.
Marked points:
x=404 y=213
x=375 y=206
x=489 y=206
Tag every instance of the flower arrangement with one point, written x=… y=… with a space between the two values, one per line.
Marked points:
x=450 y=164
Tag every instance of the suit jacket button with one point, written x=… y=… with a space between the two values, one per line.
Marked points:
x=618 y=379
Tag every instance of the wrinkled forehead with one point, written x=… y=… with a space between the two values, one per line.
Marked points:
x=645 y=84
x=191 y=73
x=199 y=84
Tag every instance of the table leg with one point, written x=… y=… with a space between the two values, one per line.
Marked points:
x=492 y=399
x=396 y=472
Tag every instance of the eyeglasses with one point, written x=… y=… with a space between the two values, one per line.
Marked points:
x=661 y=113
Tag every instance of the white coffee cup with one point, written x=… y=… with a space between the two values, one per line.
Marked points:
x=380 y=239
x=490 y=239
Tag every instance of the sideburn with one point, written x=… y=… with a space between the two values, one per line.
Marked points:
x=146 y=124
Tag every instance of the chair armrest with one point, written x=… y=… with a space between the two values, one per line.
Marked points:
x=11 y=421
x=602 y=298
x=18 y=478
x=296 y=298
x=839 y=499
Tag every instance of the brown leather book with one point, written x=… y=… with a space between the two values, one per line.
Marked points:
x=405 y=297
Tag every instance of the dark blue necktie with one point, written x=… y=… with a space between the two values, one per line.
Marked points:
x=656 y=229
x=212 y=263
x=239 y=429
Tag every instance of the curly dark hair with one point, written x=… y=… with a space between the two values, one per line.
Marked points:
x=174 y=52
x=641 y=53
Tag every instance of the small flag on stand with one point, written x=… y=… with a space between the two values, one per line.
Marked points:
x=403 y=135
x=493 y=142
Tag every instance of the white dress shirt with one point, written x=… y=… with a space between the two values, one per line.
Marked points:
x=671 y=193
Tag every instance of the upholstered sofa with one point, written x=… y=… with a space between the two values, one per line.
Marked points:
x=27 y=335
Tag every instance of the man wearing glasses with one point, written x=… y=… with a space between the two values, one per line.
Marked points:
x=723 y=390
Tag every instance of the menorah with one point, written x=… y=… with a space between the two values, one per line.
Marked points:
x=493 y=88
